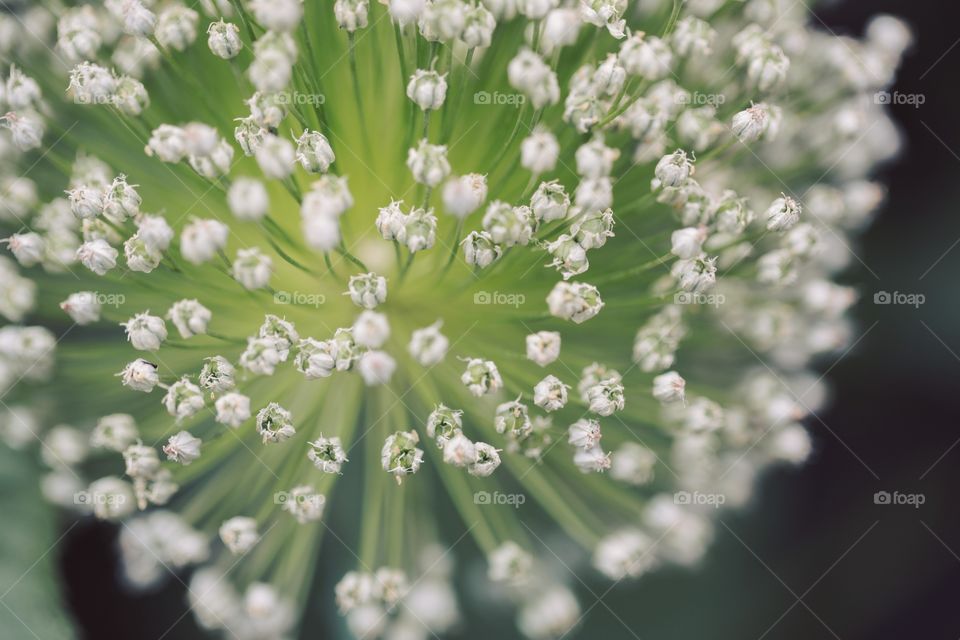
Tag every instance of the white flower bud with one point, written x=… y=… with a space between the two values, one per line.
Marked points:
x=509 y=564
x=591 y=460
x=217 y=374
x=550 y=201
x=314 y=152
x=486 y=461
x=695 y=274
x=183 y=399
x=183 y=448
x=674 y=169
x=645 y=56
x=624 y=554
x=481 y=377
x=86 y=202
x=223 y=38
x=130 y=97
x=478 y=27
x=367 y=290
x=98 y=256
x=262 y=355
x=83 y=307
x=233 y=409
x=111 y=497
x=27 y=248
x=748 y=125
x=305 y=504
x=428 y=163
x=248 y=199
x=418 y=230
x=428 y=346
x=327 y=454
x=543 y=347
x=329 y=196
x=443 y=423
x=200 y=139
x=376 y=367
x=552 y=612
x=576 y=301
x=200 y=240
x=783 y=214
x=561 y=27
x=512 y=418
x=371 y=329
x=22 y=92
x=633 y=464
x=92 y=84
x=509 y=225
x=443 y=20
x=320 y=232
x=189 y=317
x=687 y=243
x=239 y=534
x=169 y=143
x=121 y=200
x=274 y=423
x=405 y=11
x=351 y=14
x=389 y=220
x=594 y=194
x=177 y=27
x=528 y=73
x=275 y=156
x=400 y=454
x=427 y=89
x=606 y=397
x=550 y=394
x=252 y=268
x=140 y=461
x=693 y=36
x=539 y=151
x=316 y=359
x=465 y=194
x=140 y=375
x=584 y=434
x=595 y=159
x=141 y=256
x=480 y=250
x=135 y=18
x=569 y=257
x=669 y=387
x=767 y=68
x=115 y=432
x=459 y=451
x=592 y=230
x=278 y=15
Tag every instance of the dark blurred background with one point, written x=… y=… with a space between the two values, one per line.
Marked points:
x=812 y=556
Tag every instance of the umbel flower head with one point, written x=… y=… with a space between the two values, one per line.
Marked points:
x=434 y=252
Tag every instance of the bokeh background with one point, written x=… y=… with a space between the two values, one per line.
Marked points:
x=813 y=555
